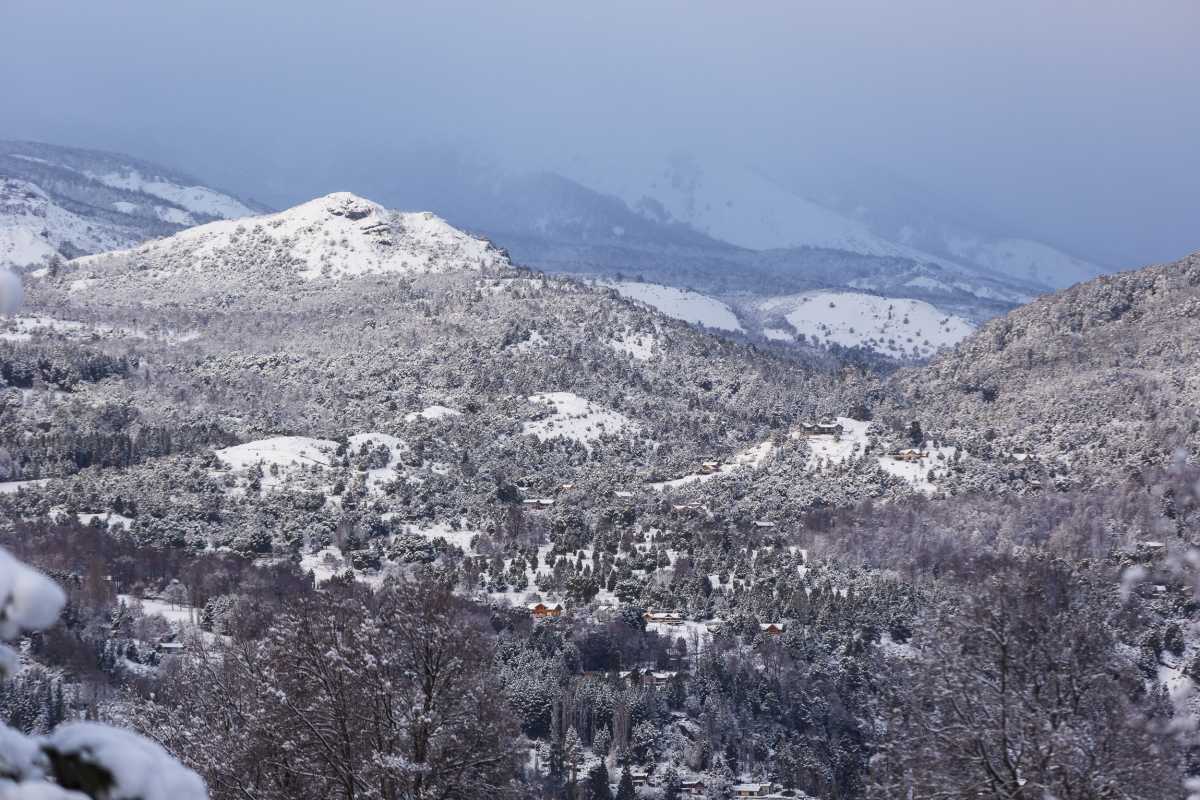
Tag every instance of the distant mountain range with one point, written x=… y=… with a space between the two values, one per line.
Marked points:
x=728 y=234
x=66 y=202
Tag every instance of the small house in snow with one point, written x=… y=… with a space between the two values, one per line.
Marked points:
x=908 y=454
x=692 y=786
x=751 y=789
x=663 y=617
x=639 y=776
x=772 y=628
x=826 y=427
x=647 y=677
x=540 y=610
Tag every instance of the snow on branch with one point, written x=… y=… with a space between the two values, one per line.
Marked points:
x=78 y=760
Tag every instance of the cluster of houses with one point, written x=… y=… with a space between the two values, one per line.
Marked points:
x=696 y=787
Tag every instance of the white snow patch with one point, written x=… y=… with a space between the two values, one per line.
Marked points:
x=287 y=453
x=33 y=228
x=639 y=345
x=896 y=327
x=778 y=335
x=573 y=418
x=432 y=412
x=684 y=304
x=197 y=199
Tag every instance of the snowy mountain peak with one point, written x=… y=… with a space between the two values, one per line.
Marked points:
x=338 y=235
x=346 y=204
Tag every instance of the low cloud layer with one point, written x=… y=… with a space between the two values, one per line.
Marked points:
x=1076 y=122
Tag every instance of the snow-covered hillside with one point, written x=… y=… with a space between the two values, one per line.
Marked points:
x=34 y=228
x=69 y=202
x=734 y=201
x=339 y=235
x=684 y=304
x=199 y=200
x=1026 y=260
x=894 y=327
x=729 y=202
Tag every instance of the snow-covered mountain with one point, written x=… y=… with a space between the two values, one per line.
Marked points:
x=1024 y=259
x=730 y=203
x=752 y=208
x=912 y=215
x=66 y=202
x=339 y=235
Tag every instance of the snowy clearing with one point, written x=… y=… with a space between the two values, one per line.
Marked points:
x=837 y=449
x=432 y=412
x=895 y=327
x=691 y=307
x=639 y=345
x=573 y=418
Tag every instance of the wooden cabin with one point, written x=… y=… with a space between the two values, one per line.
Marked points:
x=772 y=628
x=826 y=427
x=540 y=610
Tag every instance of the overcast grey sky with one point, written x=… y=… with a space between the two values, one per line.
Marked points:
x=1075 y=121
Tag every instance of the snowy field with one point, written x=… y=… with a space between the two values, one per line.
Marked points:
x=12 y=487
x=689 y=306
x=179 y=614
x=432 y=413
x=639 y=345
x=574 y=418
x=895 y=327
x=283 y=458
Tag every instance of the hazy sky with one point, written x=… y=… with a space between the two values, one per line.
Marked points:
x=1075 y=121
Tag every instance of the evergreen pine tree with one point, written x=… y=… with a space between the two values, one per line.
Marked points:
x=598 y=788
x=625 y=787
x=672 y=784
